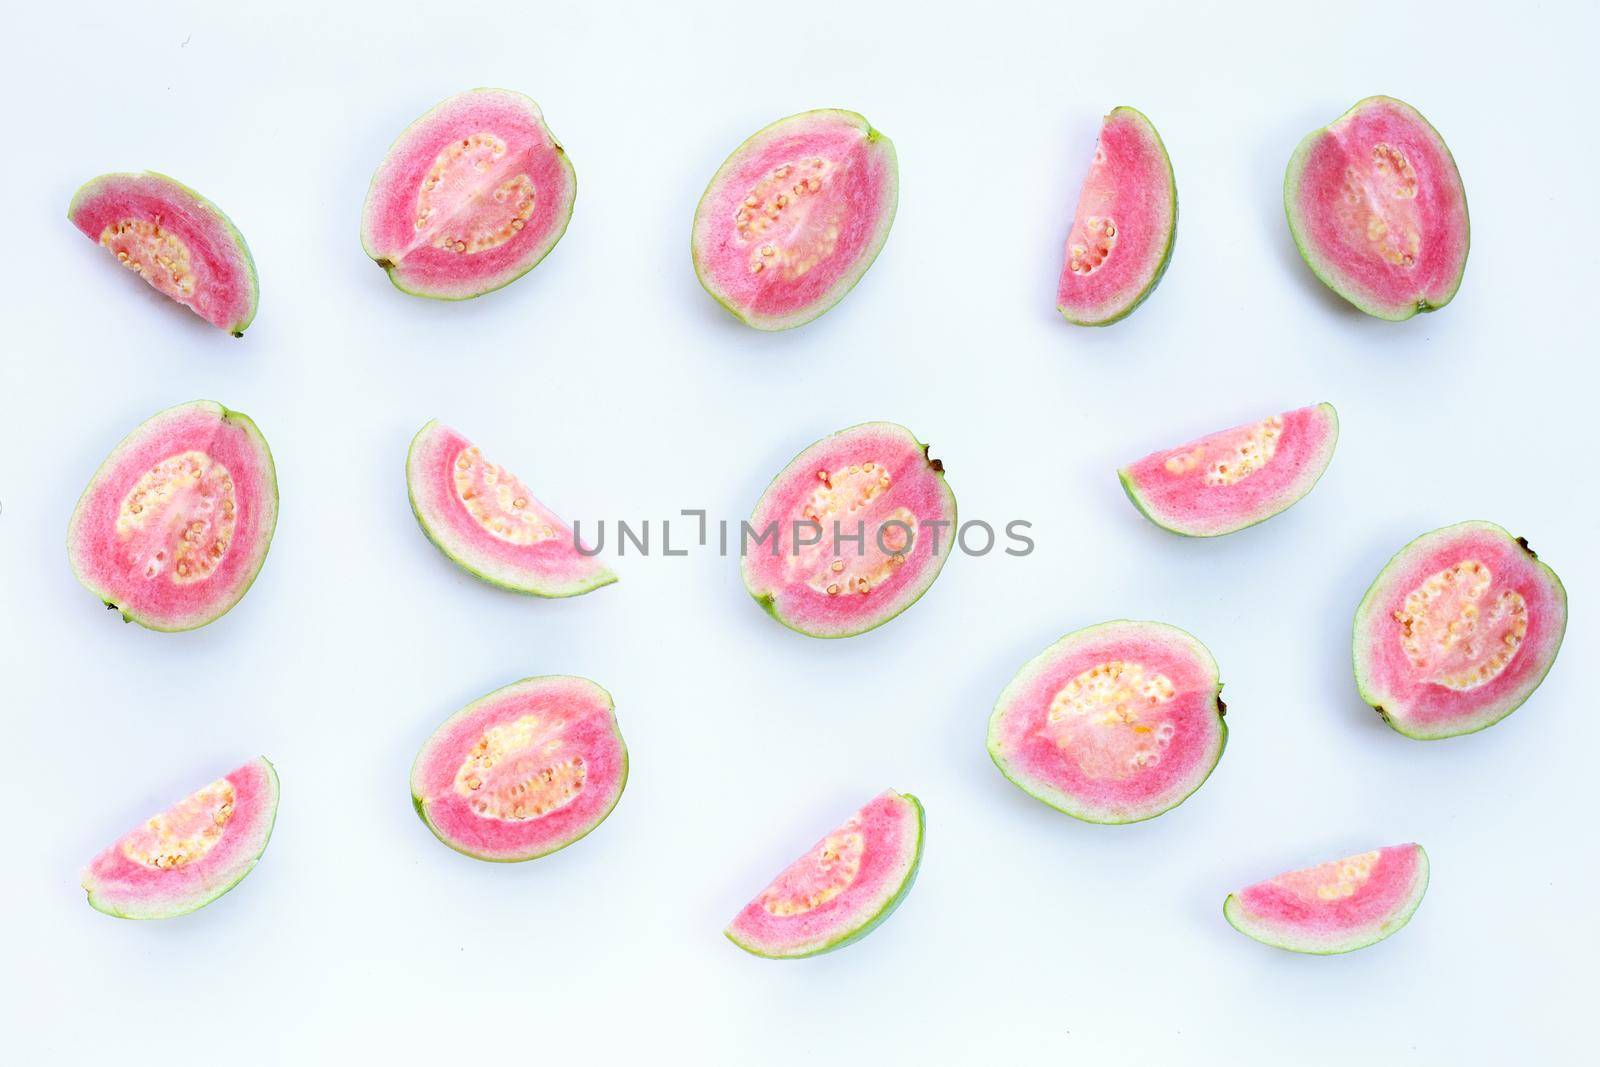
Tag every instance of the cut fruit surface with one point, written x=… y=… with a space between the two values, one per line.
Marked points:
x=1377 y=208
x=1457 y=631
x=793 y=219
x=842 y=888
x=489 y=524
x=524 y=771
x=851 y=532
x=1125 y=224
x=1112 y=724
x=470 y=198
x=1334 y=907
x=1235 y=478
x=191 y=853
x=175 y=239
x=176 y=523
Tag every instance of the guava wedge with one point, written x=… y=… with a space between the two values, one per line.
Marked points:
x=175 y=239
x=522 y=772
x=793 y=219
x=470 y=198
x=1115 y=723
x=1378 y=211
x=190 y=854
x=841 y=889
x=1334 y=907
x=1234 y=478
x=851 y=533
x=1457 y=631
x=175 y=525
x=1125 y=225
x=487 y=522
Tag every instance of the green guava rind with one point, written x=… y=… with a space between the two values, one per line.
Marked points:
x=1239 y=921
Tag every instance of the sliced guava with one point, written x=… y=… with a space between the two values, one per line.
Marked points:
x=1457 y=631
x=793 y=219
x=190 y=854
x=1112 y=724
x=841 y=889
x=850 y=533
x=1334 y=907
x=524 y=771
x=1378 y=210
x=1237 y=477
x=1126 y=222
x=176 y=523
x=175 y=239
x=470 y=197
x=488 y=523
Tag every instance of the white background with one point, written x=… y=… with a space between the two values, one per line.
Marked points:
x=616 y=388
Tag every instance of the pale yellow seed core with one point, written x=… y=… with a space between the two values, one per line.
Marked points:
x=1109 y=719
x=154 y=253
x=828 y=870
x=1454 y=633
x=469 y=198
x=1333 y=881
x=184 y=832
x=498 y=502
x=783 y=224
x=520 y=770
x=846 y=496
x=178 y=519
x=1092 y=244
x=1378 y=208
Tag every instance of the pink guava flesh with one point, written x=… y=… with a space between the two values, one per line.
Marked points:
x=191 y=853
x=1122 y=233
x=470 y=198
x=1112 y=724
x=851 y=533
x=175 y=239
x=1334 y=907
x=1237 y=477
x=793 y=219
x=1378 y=210
x=1457 y=631
x=842 y=888
x=488 y=523
x=524 y=771
x=175 y=525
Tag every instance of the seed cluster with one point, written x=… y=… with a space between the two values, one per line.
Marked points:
x=843 y=496
x=510 y=774
x=181 y=512
x=456 y=200
x=1094 y=245
x=1253 y=451
x=498 y=502
x=1378 y=208
x=1452 y=636
x=824 y=873
x=787 y=226
x=186 y=831
x=154 y=253
x=1106 y=717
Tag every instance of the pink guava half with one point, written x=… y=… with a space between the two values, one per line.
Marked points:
x=470 y=197
x=191 y=853
x=850 y=533
x=175 y=239
x=1237 y=477
x=1334 y=907
x=1457 y=631
x=842 y=888
x=1123 y=231
x=795 y=216
x=175 y=525
x=524 y=771
x=1115 y=723
x=488 y=523
x=1377 y=208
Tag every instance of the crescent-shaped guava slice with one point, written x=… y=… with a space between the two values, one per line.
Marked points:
x=1237 y=477
x=1334 y=907
x=1457 y=631
x=842 y=888
x=795 y=216
x=175 y=239
x=524 y=771
x=175 y=525
x=1115 y=723
x=191 y=853
x=470 y=197
x=1378 y=211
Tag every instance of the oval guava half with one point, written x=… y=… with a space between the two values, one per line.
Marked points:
x=1457 y=631
x=1115 y=723
x=1334 y=907
x=1378 y=211
x=795 y=216
x=470 y=197
x=175 y=239
x=175 y=525
x=851 y=533
x=842 y=888
x=191 y=853
x=524 y=771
